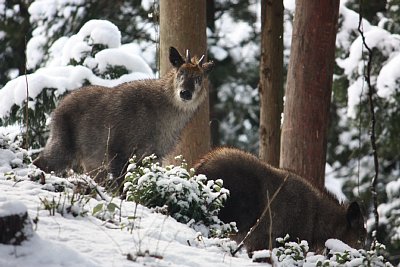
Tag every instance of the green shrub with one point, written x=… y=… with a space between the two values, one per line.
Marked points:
x=336 y=253
x=189 y=198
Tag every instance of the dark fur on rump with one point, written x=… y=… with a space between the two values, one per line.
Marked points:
x=299 y=209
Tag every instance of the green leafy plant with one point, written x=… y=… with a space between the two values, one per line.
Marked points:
x=294 y=252
x=66 y=204
x=352 y=257
x=106 y=211
x=189 y=198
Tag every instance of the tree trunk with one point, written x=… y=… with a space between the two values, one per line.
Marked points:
x=271 y=80
x=308 y=89
x=183 y=25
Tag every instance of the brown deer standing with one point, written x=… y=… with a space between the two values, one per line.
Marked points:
x=298 y=209
x=97 y=126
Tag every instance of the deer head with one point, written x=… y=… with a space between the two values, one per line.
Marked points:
x=190 y=74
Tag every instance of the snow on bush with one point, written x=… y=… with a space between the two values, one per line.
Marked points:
x=291 y=253
x=12 y=156
x=94 y=55
x=348 y=24
x=189 y=198
x=336 y=253
x=385 y=46
x=340 y=254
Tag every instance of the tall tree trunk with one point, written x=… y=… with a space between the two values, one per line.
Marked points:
x=271 y=80
x=309 y=88
x=183 y=25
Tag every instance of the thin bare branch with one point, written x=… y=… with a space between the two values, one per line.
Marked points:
x=270 y=222
x=267 y=208
x=27 y=102
x=371 y=91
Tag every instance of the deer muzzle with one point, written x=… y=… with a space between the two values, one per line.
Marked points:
x=185 y=95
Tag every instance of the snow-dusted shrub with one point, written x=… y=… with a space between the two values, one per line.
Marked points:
x=289 y=253
x=54 y=19
x=189 y=198
x=12 y=156
x=94 y=55
x=340 y=254
x=336 y=253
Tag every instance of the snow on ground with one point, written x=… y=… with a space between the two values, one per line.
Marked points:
x=88 y=241
x=71 y=235
x=85 y=240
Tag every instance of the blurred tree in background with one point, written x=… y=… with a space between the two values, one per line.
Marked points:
x=15 y=31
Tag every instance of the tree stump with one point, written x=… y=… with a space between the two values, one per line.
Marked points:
x=15 y=224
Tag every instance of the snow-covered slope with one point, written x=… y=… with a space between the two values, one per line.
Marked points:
x=74 y=226
x=130 y=236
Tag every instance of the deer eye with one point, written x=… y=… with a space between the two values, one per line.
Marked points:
x=197 y=80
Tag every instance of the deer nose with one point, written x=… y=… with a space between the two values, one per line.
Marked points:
x=186 y=95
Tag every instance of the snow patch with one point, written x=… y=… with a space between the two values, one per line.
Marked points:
x=117 y=57
x=15 y=207
x=389 y=78
x=335 y=245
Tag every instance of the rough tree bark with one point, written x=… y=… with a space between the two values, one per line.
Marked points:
x=271 y=80
x=309 y=88
x=183 y=25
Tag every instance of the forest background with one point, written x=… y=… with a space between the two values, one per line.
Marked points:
x=35 y=26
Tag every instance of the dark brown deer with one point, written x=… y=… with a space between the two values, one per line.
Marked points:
x=97 y=126
x=298 y=209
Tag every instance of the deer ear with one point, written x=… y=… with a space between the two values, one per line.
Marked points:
x=207 y=67
x=175 y=58
x=354 y=216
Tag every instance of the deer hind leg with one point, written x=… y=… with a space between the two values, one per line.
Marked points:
x=99 y=167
